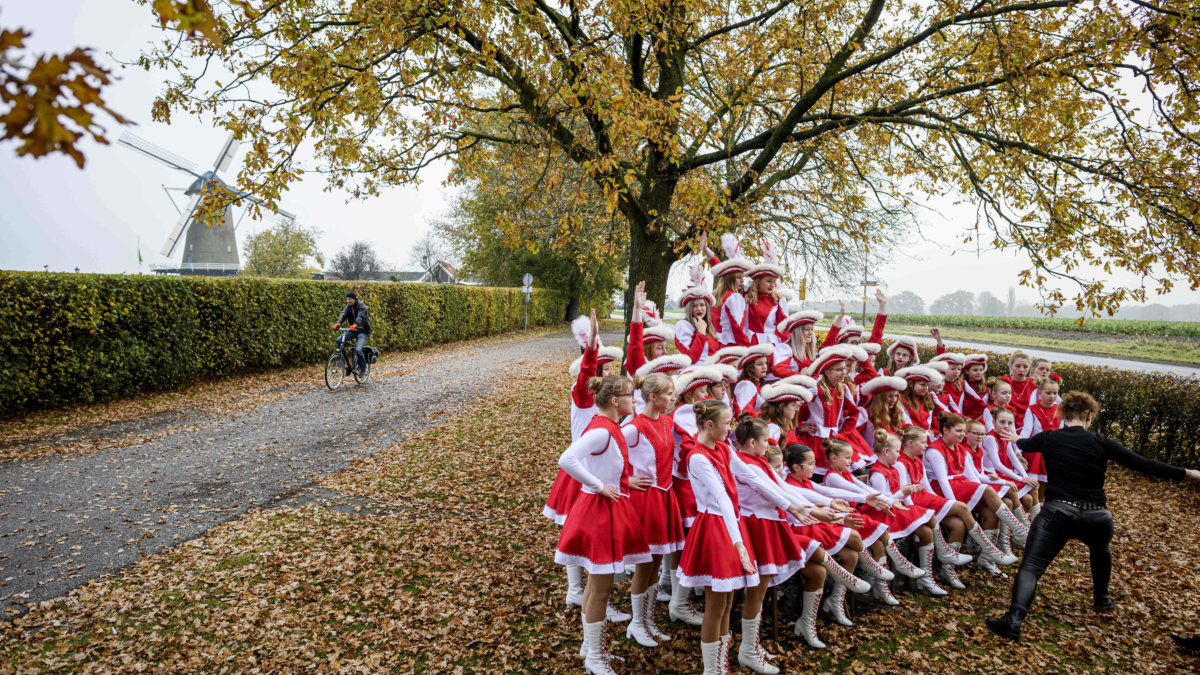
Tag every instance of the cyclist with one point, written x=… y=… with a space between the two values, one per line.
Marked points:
x=360 y=326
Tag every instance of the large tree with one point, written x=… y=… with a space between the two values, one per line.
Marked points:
x=282 y=251
x=692 y=115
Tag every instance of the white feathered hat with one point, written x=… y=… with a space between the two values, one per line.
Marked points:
x=734 y=260
x=778 y=392
x=770 y=264
x=665 y=364
x=950 y=357
x=728 y=372
x=659 y=333
x=907 y=343
x=696 y=376
x=920 y=374
x=830 y=356
x=605 y=355
x=882 y=383
x=975 y=360
x=940 y=366
x=650 y=315
x=871 y=348
x=799 y=319
x=786 y=293
x=729 y=354
x=696 y=289
x=848 y=329
x=800 y=381
x=754 y=352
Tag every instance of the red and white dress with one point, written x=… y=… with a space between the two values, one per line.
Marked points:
x=762 y=318
x=953 y=474
x=920 y=416
x=834 y=418
x=900 y=523
x=872 y=528
x=601 y=535
x=762 y=503
x=683 y=433
x=697 y=348
x=709 y=557
x=785 y=362
x=911 y=471
x=1039 y=418
x=1005 y=463
x=974 y=403
x=652 y=453
x=989 y=416
x=831 y=536
x=747 y=399
x=978 y=456
x=1022 y=393
x=953 y=397
x=731 y=327
x=583 y=408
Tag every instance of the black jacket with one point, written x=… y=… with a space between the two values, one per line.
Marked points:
x=356 y=314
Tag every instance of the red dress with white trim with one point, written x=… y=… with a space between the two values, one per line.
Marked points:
x=1039 y=418
x=762 y=317
x=731 y=327
x=952 y=475
x=651 y=453
x=871 y=529
x=1005 y=464
x=989 y=416
x=953 y=396
x=919 y=416
x=785 y=362
x=709 y=557
x=1022 y=392
x=747 y=399
x=683 y=432
x=911 y=471
x=761 y=503
x=900 y=523
x=974 y=403
x=696 y=348
x=833 y=418
x=831 y=536
x=565 y=489
x=601 y=535
x=978 y=456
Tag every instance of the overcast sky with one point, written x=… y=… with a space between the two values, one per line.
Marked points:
x=51 y=213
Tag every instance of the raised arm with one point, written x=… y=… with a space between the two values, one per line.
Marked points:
x=880 y=318
x=1130 y=459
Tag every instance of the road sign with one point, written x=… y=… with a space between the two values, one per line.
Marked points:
x=870 y=283
x=803 y=290
x=527 y=279
x=527 y=289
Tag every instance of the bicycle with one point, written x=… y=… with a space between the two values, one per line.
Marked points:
x=341 y=363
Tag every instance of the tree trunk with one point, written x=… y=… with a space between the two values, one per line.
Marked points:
x=572 y=308
x=650 y=259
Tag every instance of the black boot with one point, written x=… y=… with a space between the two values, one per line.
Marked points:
x=1009 y=625
x=1191 y=644
x=1102 y=603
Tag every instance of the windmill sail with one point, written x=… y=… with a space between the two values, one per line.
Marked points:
x=154 y=152
x=184 y=217
x=228 y=150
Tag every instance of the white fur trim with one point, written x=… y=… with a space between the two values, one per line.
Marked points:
x=940 y=366
x=871 y=348
x=755 y=352
x=975 y=359
x=731 y=266
x=606 y=355
x=786 y=293
x=800 y=381
x=729 y=354
x=779 y=392
x=829 y=356
x=860 y=354
x=728 y=372
x=661 y=333
x=949 y=357
x=766 y=270
x=696 y=292
x=908 y=343
x=920 y=374
x=849 y=330
x=798 y=319
x=696 y=376
x=882 y=383
x=665 y=363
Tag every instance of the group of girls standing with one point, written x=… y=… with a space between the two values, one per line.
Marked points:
x=696 y=470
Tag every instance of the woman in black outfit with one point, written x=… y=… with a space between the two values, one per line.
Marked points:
x=1075 y=507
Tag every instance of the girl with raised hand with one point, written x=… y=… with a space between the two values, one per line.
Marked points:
x=845 y=331
x=648 y=339
x=919 y=408
x=951 y=513
x=1042 y=414
x=765 y=306
x=696 y=335
x=1024 y=388
x=795 y=354
x=975 y=385
x=1006 y=489
x=603 y=533
x=651 y=454
x=717 y=555
x=953 y=476
x=901 y=354
x=954 y=393
x=1004 y=459
x=754 y=366
x=731 y=304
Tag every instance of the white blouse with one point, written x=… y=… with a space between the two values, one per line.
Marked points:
x=710 y=494
x=594 y=460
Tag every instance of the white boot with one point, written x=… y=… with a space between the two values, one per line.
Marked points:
x=615 y=615
x=835 y=604
x=1019 y=512
x=648 y=620
x=927 y=583
x=664 y=582
x=636 y=630
x=806 y=625
x=950 y=575
x=575 y=585
x=583 y=647
x=1019 y=531
x=751 y=654
x=873 y=568
x=723 y=653
x=903 y=566
x=1002 y=540
x=988 y=550
x=947 y=555
x=988 y=566
x=711 y=653
x=680 y=608
x=1033 y=513
x=882 y=590
x=994 y=537
x=841 y=576
x=596 y=662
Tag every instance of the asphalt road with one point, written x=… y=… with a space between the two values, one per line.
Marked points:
x=67 y=519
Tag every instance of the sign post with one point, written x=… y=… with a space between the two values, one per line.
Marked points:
x=527 y=288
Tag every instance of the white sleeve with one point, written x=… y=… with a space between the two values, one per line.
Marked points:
x=744 y=393
x=1014 y=458
x=1031 y=427
x=593 y=442
x=991 y=459
x=880 y=483
x=988 y=423
x=905 y=479
x=700 y=470
x=838 y=483
x=736 y=304
x=835 y=493
x=641 y=454
x=970 y=473
x=935 y=464
x=797 y=495
x=684 y=331
x=762 y=483
x=866 y=488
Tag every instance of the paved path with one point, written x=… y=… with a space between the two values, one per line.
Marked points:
x=67 y=519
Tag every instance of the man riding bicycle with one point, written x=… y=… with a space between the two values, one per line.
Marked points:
x=360 y=326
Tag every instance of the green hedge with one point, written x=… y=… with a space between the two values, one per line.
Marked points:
x=83 y=338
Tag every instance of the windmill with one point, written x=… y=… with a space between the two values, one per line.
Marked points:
x=210 y=251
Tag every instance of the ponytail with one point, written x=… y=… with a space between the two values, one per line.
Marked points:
x=708 y=410
x=750 y=428
x=606 y=389
x=834 y=447
x=884 y=439
x=949 y=420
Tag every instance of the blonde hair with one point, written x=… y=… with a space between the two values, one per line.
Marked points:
x=654 y=383
x=752 y=293
x=725 y=284
x=1003 y=411
x=801 y=347
x=1017 y=356
x=772 y=452
x=884 y=440
x=912 y=433
x=1046 y=381
x=835 y=446
x=608 y=388
x=708 y=320
x=708 y=410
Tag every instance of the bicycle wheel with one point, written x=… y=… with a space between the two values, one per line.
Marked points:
x=366 y=372
x=335 y=371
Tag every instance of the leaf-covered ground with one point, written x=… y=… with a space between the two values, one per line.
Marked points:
x=462 y=580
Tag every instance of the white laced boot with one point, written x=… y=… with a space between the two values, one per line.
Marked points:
x=711 y=653
x=723 y=654
x=950 y=575
x=751 y=654
x=1002 y=540
x=664 y=583
x=681 y=609
x=835 y=604
x=903 y=566
x=994 y=537
x=806 y=625
x=583 y=648
x=927 y=583
x=648 y=620
x=574 y=585
x=1019 y=531
x=842 y=577
x=945 y=553
x=1019 y=512
x=988 y=550
x=615 y=615
x=597 y=658
x=1033 y=513
x=882 y=590
x=636 y=630
x=988 y=566
x=873 y=568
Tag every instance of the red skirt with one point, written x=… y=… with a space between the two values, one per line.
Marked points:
x=685 y=499
x=872 y=528
x=939 y=505
x=777 y=551
x=900 y=523
x=1037 y=465
x=831 y=536
x=563 y=493
x=602 y=536
x=965 y=491
x=709 y=558
x=661 y=522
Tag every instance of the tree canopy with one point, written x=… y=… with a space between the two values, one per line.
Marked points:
x=814 y=121
x=282 y=251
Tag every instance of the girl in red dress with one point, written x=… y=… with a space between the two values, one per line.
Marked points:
x=1029 y=466
x=954 y=393
x=975 y=385
x=1042 y=414
x=718 y=554
x=834 y=412
x=696 y=336
x=919 y=408
x=884 y=410
x=901 y=354
x=999 y=397
x=651 y=454
x=731 y=305
x=1023 y=386
x=754 y=365
x=845 y=331
x=1008 y=491
x=765 y=306
x=799 y=349
x=602 y=533
x=953 y=476
x=648 y=343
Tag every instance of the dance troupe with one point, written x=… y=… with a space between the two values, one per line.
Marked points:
x=753 y=455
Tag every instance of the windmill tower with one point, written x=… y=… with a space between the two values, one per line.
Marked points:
x=206 y=251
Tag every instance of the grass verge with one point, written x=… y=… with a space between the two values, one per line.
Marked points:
x=1138 y=348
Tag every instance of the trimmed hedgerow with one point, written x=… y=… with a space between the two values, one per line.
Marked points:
x=83 y=338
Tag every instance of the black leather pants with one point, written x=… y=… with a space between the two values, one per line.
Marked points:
x=1055 y=525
